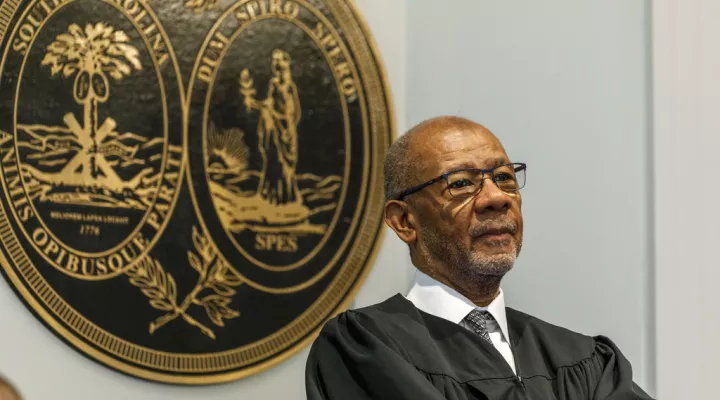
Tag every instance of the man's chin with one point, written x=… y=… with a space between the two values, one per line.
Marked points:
x=492 y=249
x=498 y=263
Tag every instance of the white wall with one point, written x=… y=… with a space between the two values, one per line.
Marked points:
x=565 y=85
x=687 y=214
x=45 y=368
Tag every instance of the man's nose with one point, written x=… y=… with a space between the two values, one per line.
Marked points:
x=491 y=197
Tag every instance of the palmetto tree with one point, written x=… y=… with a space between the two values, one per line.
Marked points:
x=91 y=54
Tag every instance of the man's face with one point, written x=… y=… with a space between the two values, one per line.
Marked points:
x=466 y=239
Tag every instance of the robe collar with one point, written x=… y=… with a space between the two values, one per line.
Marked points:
x=442 y=301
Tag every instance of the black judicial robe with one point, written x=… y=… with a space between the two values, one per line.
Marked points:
x=392 y=350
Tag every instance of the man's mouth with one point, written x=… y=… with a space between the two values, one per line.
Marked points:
x=494 y=231
x=496 y=234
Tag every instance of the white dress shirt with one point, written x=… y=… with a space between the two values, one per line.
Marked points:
x=437 y=299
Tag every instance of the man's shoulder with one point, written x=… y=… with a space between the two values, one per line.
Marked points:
x=393 y=305
x=530 y=332
x=393 y=321
x=391 y=311
x=523 y=320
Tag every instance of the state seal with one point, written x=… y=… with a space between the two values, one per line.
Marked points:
x=189 y=188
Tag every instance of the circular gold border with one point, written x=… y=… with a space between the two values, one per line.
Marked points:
x=374 y=238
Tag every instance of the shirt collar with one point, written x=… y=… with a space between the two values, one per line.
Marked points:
x=440 y=300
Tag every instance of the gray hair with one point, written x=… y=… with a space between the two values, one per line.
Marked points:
x=397 y=167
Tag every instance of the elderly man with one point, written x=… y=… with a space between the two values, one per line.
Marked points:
x=453 y=195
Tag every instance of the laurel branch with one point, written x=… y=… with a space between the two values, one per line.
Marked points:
x=213 y=290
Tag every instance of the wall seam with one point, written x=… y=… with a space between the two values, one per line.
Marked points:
x=651 y=321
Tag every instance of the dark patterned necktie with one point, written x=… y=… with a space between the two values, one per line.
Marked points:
x=477 y=321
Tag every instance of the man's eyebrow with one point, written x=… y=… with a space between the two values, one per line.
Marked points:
x=496 y=162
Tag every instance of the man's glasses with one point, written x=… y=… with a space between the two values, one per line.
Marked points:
x=468 y=182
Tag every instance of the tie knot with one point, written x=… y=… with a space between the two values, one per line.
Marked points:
x=479 y=318
x=477 y=321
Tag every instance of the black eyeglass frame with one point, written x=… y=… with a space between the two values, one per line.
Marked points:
x=516 y=167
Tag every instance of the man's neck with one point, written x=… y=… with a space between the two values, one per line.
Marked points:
x=480 y=292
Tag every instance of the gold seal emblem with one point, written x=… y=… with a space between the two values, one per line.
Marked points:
x=187 y=196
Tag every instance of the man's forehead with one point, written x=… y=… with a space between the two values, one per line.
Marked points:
x=455 y=148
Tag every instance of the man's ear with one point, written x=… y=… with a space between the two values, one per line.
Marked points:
x=399 y=219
